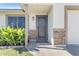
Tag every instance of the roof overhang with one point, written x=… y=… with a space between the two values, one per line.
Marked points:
x=11 y=11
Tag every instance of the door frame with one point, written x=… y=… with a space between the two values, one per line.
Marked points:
x=37 y=25
x=72 y=8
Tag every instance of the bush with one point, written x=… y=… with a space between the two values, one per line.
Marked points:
x=11 y=36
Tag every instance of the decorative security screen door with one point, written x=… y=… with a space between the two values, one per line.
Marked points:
x=42 y=28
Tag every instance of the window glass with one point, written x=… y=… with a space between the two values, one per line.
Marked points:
x=21 y=22
x=16 y=21
x=12 y=21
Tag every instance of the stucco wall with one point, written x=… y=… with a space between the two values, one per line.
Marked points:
x=58 y=13
x=32 y=26
x=2 y=20
x=32 y=22
x=50 y=26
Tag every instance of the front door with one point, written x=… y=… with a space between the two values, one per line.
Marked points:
x=42 y=25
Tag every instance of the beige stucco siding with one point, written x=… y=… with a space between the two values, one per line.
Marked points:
x=2 y=20
x=58 y=15
x=32 y=22
x=50 y=26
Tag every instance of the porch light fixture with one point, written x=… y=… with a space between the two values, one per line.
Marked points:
x=33 y=18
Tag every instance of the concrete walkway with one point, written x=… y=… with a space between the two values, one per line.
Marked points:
x=45 y=49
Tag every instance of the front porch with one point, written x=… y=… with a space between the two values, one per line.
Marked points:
x=54 y=36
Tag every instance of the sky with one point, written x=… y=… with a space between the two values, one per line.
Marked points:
x=10 y=6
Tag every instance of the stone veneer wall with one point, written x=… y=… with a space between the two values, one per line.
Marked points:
x=32 y=34
x=59 y=36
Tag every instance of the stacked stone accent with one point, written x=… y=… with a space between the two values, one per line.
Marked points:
x=59 y=36
x=32 y=34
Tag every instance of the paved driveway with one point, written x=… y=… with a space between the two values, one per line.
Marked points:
x=73 y=49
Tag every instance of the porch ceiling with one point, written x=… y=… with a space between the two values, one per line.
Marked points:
x=38 y=8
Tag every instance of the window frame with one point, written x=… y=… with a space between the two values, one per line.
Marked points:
x=14 y=15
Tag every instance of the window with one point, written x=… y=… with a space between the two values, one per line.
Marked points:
x=21 y=22
x=16 y=21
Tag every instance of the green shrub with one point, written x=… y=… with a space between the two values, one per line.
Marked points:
x=11 y=36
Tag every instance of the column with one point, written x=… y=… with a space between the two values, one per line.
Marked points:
x=26 y=26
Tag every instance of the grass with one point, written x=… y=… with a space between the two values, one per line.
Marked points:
x=15 y=52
